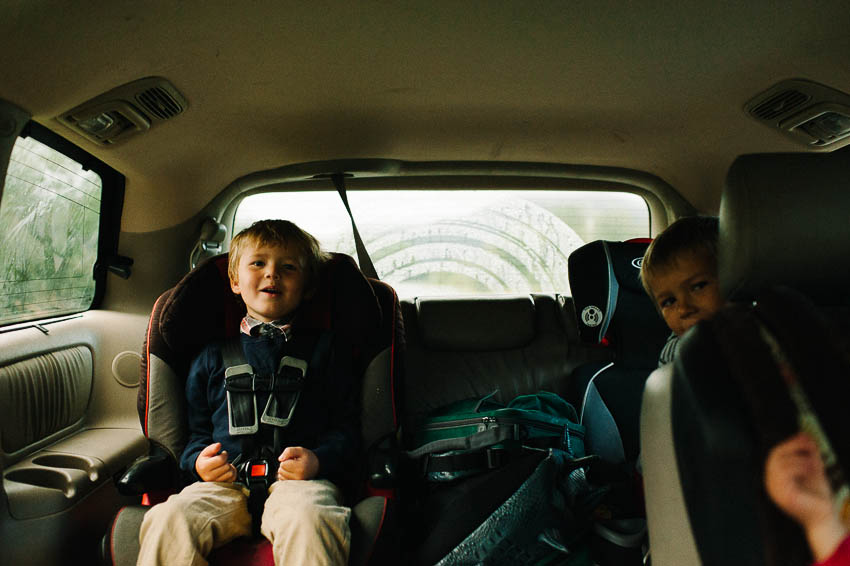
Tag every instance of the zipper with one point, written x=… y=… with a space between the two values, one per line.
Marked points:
x=490 y=422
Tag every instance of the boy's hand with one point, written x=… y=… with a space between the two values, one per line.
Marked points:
x=795 y=480
x=213 y=466
x=297 y=463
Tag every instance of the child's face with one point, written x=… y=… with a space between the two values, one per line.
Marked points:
x=270 y=280
x=687 y=292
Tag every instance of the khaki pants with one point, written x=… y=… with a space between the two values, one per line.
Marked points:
x=303 y=519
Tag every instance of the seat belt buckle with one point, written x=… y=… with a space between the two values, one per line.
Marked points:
x=256 y=473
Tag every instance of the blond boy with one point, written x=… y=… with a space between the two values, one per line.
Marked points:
x=273 y=266
x=679 y=272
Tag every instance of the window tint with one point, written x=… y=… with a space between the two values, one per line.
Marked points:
x=461 y=242
x=49 y=219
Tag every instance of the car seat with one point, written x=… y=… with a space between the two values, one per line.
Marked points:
x=202 y=308
x=614 y=313
x=709 y=418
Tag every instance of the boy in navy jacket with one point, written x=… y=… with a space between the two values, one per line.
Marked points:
x=312 y=434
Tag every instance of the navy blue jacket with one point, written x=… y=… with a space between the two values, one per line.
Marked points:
x=326 y=419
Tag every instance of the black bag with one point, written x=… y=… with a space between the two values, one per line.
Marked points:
x=489 y=491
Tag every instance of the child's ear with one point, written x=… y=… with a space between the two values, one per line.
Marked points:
x=234 y=286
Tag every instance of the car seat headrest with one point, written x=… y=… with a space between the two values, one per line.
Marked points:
x=784 y=221
x=610 y=300
x=202 y=307
x=496 y=323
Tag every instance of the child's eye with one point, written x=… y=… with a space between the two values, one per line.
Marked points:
x=699 y=285
x=258 y=263
x=290 y=267
x=668 y=302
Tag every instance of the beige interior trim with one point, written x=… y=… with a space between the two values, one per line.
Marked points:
x=670 y=537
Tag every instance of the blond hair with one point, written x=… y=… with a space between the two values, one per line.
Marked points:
x=280 y=233
x=692 y=234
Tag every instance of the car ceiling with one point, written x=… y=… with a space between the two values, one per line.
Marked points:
x=654 y=86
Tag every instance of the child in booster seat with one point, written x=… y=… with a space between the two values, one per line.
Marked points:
x=679 y=273
x=284 y=413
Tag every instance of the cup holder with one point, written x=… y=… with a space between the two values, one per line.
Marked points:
x=68 y=461
x=43 y=477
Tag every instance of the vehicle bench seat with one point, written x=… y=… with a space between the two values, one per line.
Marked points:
x=459 y=348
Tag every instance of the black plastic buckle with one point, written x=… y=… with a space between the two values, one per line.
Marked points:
x=256 y=472
x=257 y=475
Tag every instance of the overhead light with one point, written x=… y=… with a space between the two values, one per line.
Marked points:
x=808 y=112
x=125 y=111
x=821 y=125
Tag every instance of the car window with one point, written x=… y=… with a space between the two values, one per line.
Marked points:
x=460 y=242
x=49 y=226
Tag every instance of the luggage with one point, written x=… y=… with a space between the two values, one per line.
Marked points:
x=475 y=435
x=498 y=484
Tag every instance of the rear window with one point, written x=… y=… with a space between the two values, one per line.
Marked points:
x=49 y=227
x=460 y=242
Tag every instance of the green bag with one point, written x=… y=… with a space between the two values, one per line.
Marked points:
x=474 y=435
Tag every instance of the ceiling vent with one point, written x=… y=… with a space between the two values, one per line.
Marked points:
x=779 y=104
x=158 y=102
x=125 y=111
x=810 y=113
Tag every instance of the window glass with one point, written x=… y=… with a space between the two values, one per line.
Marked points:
x=49 y=219
x=460 y=242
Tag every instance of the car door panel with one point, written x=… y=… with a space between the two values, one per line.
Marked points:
x=67 y=426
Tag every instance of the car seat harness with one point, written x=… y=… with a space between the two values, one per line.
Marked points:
x=257 y=464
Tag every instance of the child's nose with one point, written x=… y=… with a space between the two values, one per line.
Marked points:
x=685 y=306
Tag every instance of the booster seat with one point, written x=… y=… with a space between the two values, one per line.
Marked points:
x=202 y=308
x=614 y=313
x=613 y=309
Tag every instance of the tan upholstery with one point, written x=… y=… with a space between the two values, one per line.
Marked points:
x=42 y=395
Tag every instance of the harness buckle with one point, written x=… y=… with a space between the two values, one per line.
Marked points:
x=256 y=474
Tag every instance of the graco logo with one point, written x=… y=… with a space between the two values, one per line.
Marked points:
x=637 y=262
x=591 y=316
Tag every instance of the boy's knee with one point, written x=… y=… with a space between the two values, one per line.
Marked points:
x=320 y=516
x=165 y=516
x=307 y=517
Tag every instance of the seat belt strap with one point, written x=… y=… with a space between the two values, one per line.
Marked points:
x=363 y=258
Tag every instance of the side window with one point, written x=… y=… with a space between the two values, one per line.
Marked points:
x=50 y=218
x=461 y=242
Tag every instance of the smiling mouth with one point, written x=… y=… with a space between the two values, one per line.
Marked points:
x=270 y=291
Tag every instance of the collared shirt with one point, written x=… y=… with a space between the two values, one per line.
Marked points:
x=668 y=352
x=253 y=327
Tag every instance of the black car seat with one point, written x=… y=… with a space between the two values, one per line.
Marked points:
x=614 y=313
x=709 y=418
x=202 y=308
